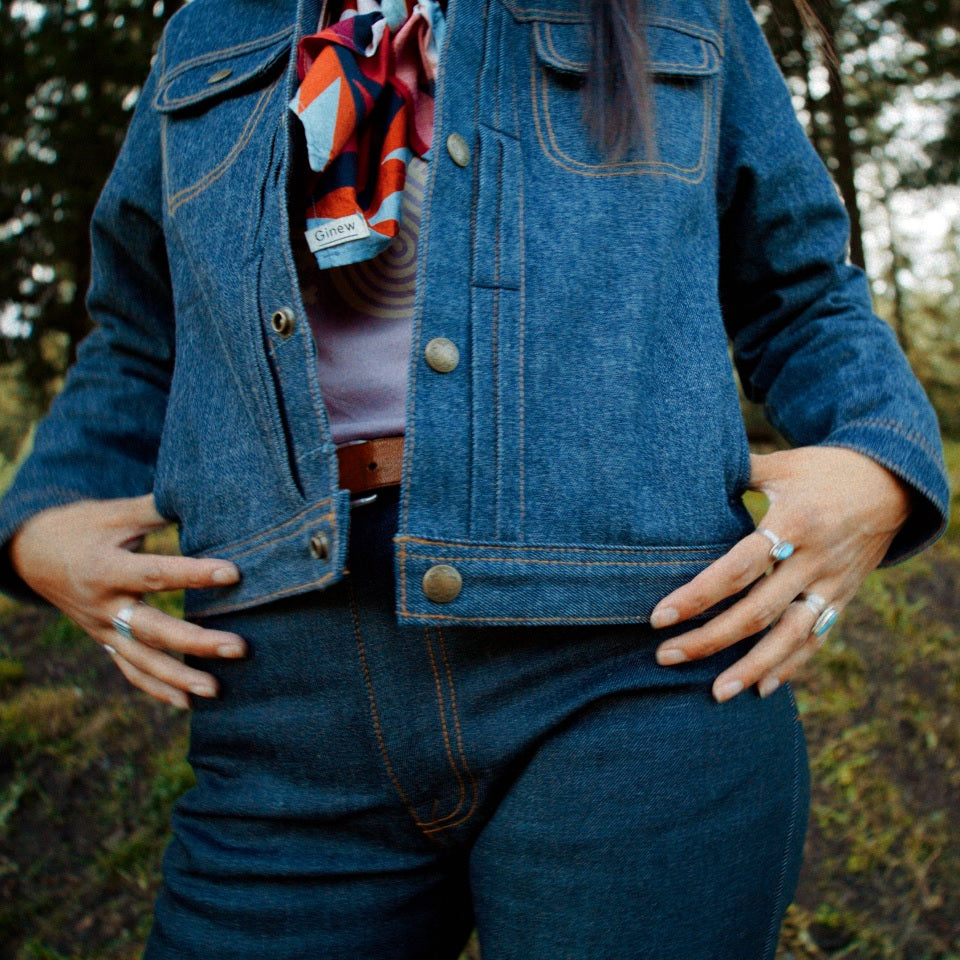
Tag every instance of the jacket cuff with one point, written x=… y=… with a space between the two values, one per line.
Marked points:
x=914 y=459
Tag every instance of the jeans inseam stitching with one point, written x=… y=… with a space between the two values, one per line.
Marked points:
x=193 y=191
x=375 y=713
x=770 y=945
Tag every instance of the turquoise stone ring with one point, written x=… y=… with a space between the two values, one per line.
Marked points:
x=781 y=549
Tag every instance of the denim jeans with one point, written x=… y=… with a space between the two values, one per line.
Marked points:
x=368 y=790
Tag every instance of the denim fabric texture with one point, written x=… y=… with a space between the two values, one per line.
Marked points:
x=587 y=455
x=373 y=789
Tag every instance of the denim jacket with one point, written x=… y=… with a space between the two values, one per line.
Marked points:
x=587 y=454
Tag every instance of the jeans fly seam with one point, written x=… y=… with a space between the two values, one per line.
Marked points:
x=456 y=721
x=375 y=712
x=439 y=822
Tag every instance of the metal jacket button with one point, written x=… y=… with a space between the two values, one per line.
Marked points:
x=442 y=583
x=320 y=546
x=283 y=322
x=442 y=354
x=458 y=150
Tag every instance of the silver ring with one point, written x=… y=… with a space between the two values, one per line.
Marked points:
x=815 y=603
x=781 y=549
x=825 y=613
x=828 y=617
x=121 y=622
x=111 y=650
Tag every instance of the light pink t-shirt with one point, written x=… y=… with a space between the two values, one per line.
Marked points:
x=362 y=320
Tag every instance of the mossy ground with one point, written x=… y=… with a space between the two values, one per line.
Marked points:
x=89 y=770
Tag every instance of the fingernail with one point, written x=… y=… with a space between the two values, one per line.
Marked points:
x=203 y=690
x=230 y=650
x=727 y=690
x=180 y=702
x=666 y=617
x=767 y=686
x=670 y=656
x=225 y=575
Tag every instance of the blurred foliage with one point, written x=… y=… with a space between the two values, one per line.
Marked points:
x=70 y=79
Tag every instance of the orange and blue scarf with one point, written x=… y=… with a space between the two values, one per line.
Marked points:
x=366 y=104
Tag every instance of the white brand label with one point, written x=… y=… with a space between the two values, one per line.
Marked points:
x=343 y=230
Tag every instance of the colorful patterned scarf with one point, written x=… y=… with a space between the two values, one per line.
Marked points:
x=366 y=104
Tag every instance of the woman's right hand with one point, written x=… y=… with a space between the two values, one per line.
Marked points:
x=82 y=558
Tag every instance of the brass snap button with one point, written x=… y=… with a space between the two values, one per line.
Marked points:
x=219 y=76
x=283 y=322
x=442 y=583
x=442 y=355
x=320 y=546
x=458 y=150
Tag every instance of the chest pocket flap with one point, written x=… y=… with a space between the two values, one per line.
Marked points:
x=676 y=48
x=222 y=73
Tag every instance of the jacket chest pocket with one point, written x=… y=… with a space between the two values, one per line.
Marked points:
x=684 y=69
x=212 y=106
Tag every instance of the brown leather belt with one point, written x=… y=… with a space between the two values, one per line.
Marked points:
x=370 y=464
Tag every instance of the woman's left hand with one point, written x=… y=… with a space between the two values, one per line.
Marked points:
x=840 y=510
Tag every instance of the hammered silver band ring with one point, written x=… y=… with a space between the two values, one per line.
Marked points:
x=780 y=549
x=825 y=613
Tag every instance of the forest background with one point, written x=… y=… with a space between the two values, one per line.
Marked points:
x=89 y=769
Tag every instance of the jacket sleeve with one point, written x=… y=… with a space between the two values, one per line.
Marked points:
x=101 y=435
x=805 y=340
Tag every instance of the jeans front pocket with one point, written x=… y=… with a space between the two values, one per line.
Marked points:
x=684 y=68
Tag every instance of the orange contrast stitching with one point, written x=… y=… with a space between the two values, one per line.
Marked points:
x=375 y=713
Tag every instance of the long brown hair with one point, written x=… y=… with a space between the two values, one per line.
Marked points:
x=617 y=104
